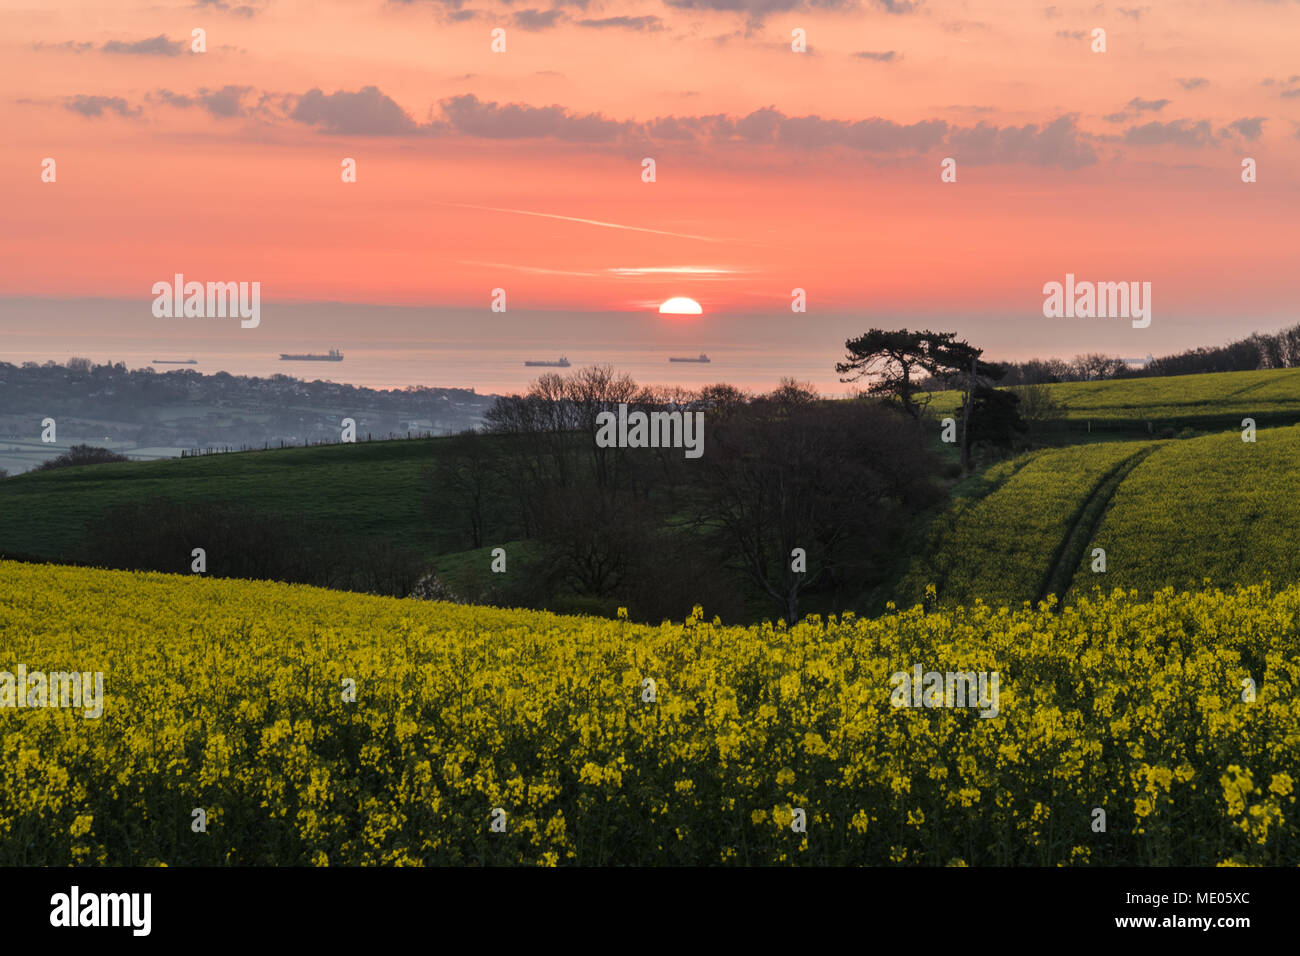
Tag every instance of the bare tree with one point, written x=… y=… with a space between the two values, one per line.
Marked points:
x=465 y=475
x=821 y=477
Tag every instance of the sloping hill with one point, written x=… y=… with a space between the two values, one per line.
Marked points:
x=1004 y=536
x=316 y=727
x=1212 y=401
x=1167 y=514
x=1214 y=507
x=372 y=489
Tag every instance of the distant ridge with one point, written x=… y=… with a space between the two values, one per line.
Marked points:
x=334 y=355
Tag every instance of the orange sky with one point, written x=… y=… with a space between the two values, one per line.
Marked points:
x=774 y=169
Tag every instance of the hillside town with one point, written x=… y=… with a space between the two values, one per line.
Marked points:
x=146 y=414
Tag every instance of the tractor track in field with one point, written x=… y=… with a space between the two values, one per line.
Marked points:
x=938 y=564
x=1084 y=525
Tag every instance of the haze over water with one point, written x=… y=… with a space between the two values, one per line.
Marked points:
x=399 y=346
x=394 y=347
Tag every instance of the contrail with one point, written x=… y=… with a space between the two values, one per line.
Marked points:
x=539 y=270
x=589 y=222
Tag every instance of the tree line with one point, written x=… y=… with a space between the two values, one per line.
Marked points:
x=794 y=497
x=1258 y=351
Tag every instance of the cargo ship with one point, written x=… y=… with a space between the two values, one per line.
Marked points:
x=562 y=363
x=173 y=362
x=702 y=358
x=334 y=356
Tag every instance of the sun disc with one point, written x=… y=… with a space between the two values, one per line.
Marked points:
x=680 y=305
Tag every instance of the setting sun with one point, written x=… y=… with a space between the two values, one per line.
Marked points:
x=680 y=305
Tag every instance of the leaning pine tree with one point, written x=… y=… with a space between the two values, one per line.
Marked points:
x=899 y=360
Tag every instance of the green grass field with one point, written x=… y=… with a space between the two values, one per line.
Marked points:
x=1171 y=513
x=1214 y=507
x=1004 y=537
x=1211 y=402
x=374 y=489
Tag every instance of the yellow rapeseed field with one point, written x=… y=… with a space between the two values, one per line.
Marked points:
x=486 y=736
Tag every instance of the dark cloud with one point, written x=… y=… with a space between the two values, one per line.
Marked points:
x=530 y=19
x=173 y=99
x=771 y=126
x=459 y=4
x=1142 y=106
x=1248 y=127
x=1289 y=81
x=1183 y=133
x=369 y=112
x=67 y=45
x=1059 y=143
x=760 y=126
x=1134 y=13
x=225 y=102
x=154 y=46
x=887 y=136
x=1137 y=105
x=239 y=11
x=536 y=19
x=366 y=112
x=1072 y=34
x=469 y=115
x=673 y=128
x=99 y=105
x=1192 y=82
x=645 y=24
x=885 y=56
x=450 y=11
x=757 y=11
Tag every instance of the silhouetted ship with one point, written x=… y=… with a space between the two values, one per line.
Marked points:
x=174 y=362
x=334 y=356
x=702 y=358
x=562 y=363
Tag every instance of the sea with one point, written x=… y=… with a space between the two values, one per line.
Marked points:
x=394 y=347
x=398 y=346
